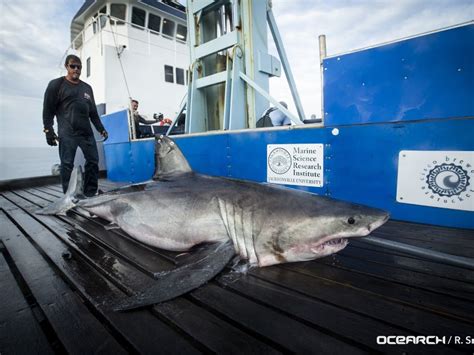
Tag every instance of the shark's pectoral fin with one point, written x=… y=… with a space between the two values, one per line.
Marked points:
x=174 y=283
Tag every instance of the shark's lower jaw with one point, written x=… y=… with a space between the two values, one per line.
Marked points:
x=330 y=247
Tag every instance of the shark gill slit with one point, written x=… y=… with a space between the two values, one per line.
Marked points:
x=255 y=235
x=225 y=220
x=247 y=235
x=230 y=220
x=239 y=233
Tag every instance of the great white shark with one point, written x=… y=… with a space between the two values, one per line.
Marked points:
x=179 y=209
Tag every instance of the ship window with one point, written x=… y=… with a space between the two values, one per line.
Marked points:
x=187 y=77
x=138 y=16
x=102 y=17
x=180 y=76
x=99 y=19
x=118 y=11
x=78 y=42
x=168 y=27
x=169 y=74
x=88 y=67
x=154 y=22
x=181 y=33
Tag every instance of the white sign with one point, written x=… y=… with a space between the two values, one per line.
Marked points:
x=295 y=164
x=442 y=179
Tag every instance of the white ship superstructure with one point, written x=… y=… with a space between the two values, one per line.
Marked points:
x=133 y=49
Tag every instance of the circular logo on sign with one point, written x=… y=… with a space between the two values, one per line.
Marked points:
x=279 y=161
x=447 y=179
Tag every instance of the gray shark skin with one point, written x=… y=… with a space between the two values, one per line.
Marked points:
x=266 y=224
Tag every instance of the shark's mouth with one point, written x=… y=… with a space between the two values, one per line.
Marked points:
x=333 y=244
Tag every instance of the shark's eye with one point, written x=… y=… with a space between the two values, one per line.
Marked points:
x=351 y=220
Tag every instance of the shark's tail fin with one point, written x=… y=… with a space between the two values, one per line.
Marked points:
x=65 y=203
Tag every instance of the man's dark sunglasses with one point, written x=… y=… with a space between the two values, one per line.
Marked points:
x=75 y=66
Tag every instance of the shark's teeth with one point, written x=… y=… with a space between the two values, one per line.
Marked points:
x=335 y=241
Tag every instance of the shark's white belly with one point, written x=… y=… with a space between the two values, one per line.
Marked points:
x=159 y=224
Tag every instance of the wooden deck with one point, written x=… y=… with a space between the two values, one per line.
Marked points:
x=58 y=274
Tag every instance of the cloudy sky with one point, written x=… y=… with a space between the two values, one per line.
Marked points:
x=34 y=35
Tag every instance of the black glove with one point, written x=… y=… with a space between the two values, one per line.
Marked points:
x=51 y=137
x=104 y=134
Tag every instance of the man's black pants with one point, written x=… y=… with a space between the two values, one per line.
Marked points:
x=67 y=152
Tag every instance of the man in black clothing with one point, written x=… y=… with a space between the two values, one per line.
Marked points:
x=72 y=102
x=137 y=118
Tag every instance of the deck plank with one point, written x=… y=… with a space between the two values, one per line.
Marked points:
x=351 y=261
x=431 y=301
x=454 y=247
x=20 y=332
x=217 y=334
x=366 y=302
x=289 y=333
x=78 y=330
x=341 y=321
x=384 y=256
x=455 y=241
x=426 y=232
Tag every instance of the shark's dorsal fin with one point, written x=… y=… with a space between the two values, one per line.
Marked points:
x=170 y=162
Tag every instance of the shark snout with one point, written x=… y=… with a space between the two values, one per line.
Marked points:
x=379 y=221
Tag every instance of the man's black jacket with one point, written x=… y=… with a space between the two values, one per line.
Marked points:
x=73 y=105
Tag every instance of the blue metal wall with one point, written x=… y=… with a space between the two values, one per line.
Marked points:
x=425 y=77
x=126 y=161
x=116 y=125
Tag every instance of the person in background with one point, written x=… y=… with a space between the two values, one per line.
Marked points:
x=137 y=118
x=72 y=102
x=274 y=117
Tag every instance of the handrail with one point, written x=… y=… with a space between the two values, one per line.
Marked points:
x=116 y=19
x=104 y=28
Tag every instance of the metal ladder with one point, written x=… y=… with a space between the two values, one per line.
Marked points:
x=230 y=64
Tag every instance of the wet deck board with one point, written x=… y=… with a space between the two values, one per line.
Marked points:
x=19 y=329
x=60 y=275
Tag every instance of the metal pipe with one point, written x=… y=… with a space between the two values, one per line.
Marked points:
x=266 y=95
x=236 y=16
x=322 y=48
x=286 y=64
x=322 y=56
x=182 y=107
x=444 y=258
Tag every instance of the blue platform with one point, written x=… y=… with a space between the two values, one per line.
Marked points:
x=425 y=77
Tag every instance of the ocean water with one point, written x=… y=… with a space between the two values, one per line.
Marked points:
x=22 y=162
